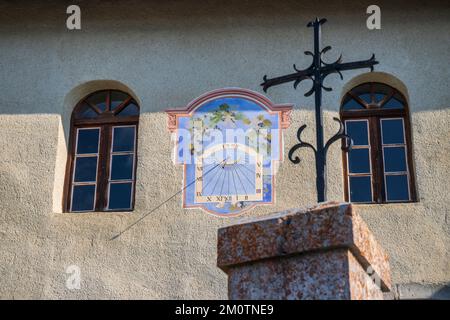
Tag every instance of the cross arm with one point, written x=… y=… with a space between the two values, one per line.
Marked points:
x=337 y=67
x=297 y=77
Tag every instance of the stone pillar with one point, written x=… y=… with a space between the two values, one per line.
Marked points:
x=324 y=252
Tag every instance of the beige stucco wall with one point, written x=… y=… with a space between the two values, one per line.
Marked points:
x=166 y=54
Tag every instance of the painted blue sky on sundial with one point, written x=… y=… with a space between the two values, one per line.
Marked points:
x=228 y=146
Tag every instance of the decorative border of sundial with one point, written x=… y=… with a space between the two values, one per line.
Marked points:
x=177 y=119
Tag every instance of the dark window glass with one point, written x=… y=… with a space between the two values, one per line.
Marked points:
x=117 y=98
x=83 y=198
x=372 y=95
x=379 y=97
x=85 y=169
x=392 y=131
x=366 y=97
x=360 y=189
x=88 y=141
x=130 y=110
x=87 y=112
x=352 y=104
x=359 y=161
x=120 y=196
x=123 y=139
x=122 y=167
x=357 y=130
x=394 y=103
x=394 y=159
x=99 y=100
x=397 y=187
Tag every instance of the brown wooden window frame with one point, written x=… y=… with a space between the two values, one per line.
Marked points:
x=105 y=120
x=374 y=113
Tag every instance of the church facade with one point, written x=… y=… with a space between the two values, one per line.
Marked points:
x=98 y=198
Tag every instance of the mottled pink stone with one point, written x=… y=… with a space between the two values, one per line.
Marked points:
x=322 y=252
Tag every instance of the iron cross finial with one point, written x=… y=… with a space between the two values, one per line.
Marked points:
x=317 y=72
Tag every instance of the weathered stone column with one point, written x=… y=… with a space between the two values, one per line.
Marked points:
x=324 y=252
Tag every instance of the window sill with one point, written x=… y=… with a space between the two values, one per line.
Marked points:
x=385 y=203
x=99 y=212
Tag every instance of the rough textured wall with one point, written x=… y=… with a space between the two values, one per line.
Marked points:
x=167 y=54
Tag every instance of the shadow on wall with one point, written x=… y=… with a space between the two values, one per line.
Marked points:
x=218 y=42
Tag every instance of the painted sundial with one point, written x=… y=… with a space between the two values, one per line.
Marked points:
x=229 y=142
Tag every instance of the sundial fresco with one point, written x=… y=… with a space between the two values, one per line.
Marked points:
x=229 y=142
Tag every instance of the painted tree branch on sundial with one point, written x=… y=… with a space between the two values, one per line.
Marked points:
x=317 y=72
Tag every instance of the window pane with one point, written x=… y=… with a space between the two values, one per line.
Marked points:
x=379 y=97
x=87 y=141
x=357 y=130
x=86 y=112
x=98 y=99
x=392 y=131
x=397 y=188
x=381 y=91
x=394 y=103
x=360 y=189
x=117 y=98
x=123 y=139
x=394 y=159
x=83 y=198
x=85 y=169
x=120 y=196
x=352 y=104
x=130 y=110
x=122 y=167
x=359 y=161
x=366 y=97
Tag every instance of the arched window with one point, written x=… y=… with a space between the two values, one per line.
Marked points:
x=102 y=160
x=379 y=167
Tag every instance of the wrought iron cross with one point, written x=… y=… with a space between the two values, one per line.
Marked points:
x=317 y=72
